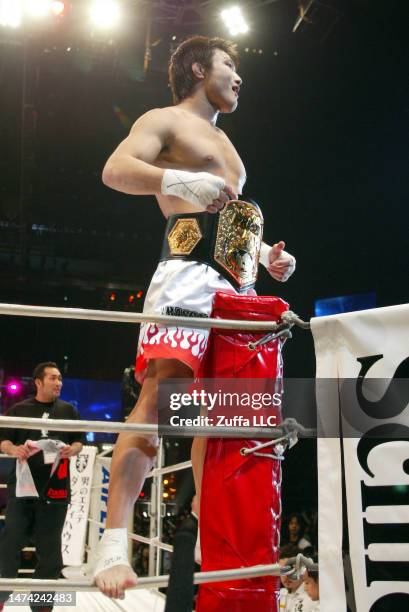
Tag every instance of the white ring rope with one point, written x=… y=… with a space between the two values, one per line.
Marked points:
x=176 y=467
x=132 y=317
x=146 y=428
x=22 y=310
x=143 y=583
x=69 y=425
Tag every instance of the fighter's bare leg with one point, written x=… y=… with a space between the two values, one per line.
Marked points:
x=132 y=459
x=198 y=453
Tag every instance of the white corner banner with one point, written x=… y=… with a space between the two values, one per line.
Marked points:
x=76 y=521
x=351 y=349
x=99 y=501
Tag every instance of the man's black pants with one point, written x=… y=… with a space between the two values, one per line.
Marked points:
x=25 y=517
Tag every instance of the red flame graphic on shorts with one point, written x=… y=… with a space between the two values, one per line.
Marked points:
x=193 y=339
x=177 y=337
x=150 y=333
x=157 y=342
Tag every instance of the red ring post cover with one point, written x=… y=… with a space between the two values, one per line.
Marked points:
x=240 y=499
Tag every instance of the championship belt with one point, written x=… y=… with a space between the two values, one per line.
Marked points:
x=229 y=241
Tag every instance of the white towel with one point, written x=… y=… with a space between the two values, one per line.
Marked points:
x=25 y=486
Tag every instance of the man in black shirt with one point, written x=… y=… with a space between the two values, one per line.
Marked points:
x=43 y=512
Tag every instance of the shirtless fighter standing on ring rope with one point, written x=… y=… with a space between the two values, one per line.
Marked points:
x=178 y=155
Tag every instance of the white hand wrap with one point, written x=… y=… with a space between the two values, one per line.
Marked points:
x=264 y=251
x=290 y=269
x=199 y=188
x=112 y=550
x=265 y=261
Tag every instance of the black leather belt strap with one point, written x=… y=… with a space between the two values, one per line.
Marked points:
x=203 y=252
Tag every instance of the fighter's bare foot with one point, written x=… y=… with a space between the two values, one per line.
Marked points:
x=113 y=573
x=114 y=581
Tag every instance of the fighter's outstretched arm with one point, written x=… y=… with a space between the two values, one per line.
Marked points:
x=280 y=264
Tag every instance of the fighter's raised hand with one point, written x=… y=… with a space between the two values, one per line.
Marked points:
x=226 y=195
x=278 y=262
x=205 y=190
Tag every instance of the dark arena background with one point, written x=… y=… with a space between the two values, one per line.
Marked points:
x=322 y=127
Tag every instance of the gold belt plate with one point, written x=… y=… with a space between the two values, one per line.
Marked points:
x=184 y=236
x=238 y=241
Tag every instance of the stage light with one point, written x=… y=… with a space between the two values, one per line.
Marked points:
x=234 y=21
x=131 y=298
x=13 y=387
x=37 y=8
x=105 y=13
x=57 y=7
x=10 y=13
x=112 y=297
x=139 y=294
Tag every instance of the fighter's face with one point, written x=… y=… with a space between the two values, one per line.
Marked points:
x=50 y=386
x=222 y=83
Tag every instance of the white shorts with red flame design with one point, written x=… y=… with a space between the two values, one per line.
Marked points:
x=178 y=286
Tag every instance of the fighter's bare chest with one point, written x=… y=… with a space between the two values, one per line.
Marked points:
x=197 y=150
